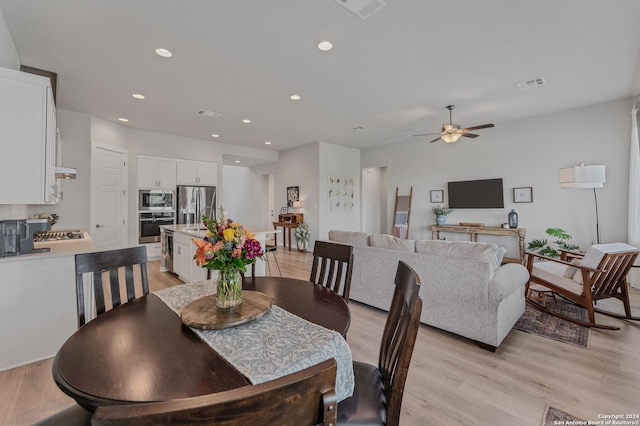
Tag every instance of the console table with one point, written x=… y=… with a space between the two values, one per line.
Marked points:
x=287 y=221
x=473 y=231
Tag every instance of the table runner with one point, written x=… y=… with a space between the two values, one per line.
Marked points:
x=277 y=344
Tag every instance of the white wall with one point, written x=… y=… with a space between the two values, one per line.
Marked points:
x=524 y=153
x=8 y=53
x=237 y=201
x=341 y=161
x=374 y=200
x=296 y=167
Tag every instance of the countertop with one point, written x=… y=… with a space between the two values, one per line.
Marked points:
x=201 y=231
x=58 y=249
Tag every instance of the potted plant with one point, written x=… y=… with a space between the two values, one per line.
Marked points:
x=441 y=213
x=302 y=236
x=542 y=247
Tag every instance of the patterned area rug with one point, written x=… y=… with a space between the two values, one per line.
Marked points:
x=553 y=417
x=543 y=324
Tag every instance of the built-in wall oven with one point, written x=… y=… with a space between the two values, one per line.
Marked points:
x=150 y=223
x=156 y=200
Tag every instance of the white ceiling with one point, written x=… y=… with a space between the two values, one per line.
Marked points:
x=394 y=72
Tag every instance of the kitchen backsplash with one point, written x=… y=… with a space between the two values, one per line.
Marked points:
x=14 y=211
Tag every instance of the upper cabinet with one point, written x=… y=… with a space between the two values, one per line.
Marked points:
x=197 y=173
x=156 y=173
x=27 y=139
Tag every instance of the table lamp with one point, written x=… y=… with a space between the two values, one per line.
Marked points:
x=297 y=205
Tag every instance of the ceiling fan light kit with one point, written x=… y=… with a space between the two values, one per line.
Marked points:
x=452 y=132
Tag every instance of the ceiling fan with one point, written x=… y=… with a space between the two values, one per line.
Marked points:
x=452 y=132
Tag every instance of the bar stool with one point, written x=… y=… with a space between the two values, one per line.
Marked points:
x=271 y=249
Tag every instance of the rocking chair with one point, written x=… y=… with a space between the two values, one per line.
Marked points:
x=599 y=274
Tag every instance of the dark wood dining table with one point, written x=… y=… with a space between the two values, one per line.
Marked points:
x=141 y=352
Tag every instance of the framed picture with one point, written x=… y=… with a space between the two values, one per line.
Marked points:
x=293 y=194
x=284 y=210
x=523 y=195
x=437 y=196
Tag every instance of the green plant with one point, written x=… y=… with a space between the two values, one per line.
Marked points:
x=542 y=246
x=441 y=210
x=302 y=232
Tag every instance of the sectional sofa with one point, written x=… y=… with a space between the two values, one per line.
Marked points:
x=465 y=288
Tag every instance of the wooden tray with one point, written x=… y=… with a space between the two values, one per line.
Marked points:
x=204 y=314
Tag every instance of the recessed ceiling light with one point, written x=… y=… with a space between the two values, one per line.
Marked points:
x=123 y=119
x=237 y=161
x=294 y=97
x=267 y=143
x=215 y=136
x=138 y=96
x=325 y=45
x=164 y=53
x=246 y=121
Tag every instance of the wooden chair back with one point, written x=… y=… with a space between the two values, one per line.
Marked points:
x=399 y=338
x=611 y=279
x=303 y=398
x=112 y=261
x=332 y=267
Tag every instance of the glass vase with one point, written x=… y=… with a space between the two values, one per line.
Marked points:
x=229 y=287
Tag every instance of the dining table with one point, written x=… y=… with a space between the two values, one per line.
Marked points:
x=141 y=351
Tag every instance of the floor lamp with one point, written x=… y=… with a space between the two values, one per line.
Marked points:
x=580 y=177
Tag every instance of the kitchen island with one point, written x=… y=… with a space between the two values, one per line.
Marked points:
x=38 y=309
x=183 y=249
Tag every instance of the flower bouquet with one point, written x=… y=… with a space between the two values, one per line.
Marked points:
x=302 y=236
x=228 y=248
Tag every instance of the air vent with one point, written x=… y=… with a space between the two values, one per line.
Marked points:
x=208 y=113
x=535 y=82
x=394 y=137
x=362 y=8
x=359 y=128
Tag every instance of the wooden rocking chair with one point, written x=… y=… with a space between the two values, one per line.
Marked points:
x=599 y=274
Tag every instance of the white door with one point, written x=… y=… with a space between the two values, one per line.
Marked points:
x=268 y=195
x=108 y=197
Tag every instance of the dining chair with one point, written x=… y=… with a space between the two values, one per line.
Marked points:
x=268 y=248
x=332 y=267
x=377 y=397
x=112 y=261
x=303 y=398
x=601 y=273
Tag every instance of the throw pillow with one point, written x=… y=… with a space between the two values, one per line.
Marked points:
x=502 y=250
x=571 y=270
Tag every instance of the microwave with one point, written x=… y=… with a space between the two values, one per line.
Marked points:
x=156 y=199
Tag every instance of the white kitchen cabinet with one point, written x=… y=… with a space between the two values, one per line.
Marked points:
x=184 y=264
x=197 y=173
x=27 y=139
x=156 y=173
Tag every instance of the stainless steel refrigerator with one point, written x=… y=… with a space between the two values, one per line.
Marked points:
x=193 y=202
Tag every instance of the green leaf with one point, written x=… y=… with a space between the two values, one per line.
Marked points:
x=558 y=233
x=537 y=244
x=549 y=252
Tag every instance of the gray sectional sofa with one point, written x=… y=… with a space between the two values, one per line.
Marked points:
x=465 y=289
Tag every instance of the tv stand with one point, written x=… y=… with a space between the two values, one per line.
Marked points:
x=473 y=231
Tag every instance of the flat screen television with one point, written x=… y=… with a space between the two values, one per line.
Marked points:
x=476 y=194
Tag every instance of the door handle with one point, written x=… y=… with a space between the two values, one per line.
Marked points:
x=100 y=226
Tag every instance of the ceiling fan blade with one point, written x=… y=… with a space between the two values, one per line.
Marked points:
x=435 y=140
x=425 y=134
x=469 y=135
x=484 y=126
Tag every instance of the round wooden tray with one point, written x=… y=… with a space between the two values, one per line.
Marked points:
x=204 y=314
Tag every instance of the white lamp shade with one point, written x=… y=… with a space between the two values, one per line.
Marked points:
x=582 y=177
x=297 y=204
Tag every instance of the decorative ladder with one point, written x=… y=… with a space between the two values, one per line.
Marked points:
x=402 y=215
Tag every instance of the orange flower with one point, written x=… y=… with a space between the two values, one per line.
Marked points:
x=203 y=249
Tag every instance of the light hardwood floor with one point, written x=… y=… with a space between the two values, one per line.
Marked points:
x=451 y=380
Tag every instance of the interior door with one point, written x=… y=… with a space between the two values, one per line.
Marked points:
x=268 y=195
x=108 y=197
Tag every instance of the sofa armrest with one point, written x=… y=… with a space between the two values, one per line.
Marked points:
x=507 y=279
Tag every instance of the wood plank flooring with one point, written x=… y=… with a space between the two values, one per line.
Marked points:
x=451 y=380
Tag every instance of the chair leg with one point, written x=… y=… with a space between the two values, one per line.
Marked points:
x=276 y=259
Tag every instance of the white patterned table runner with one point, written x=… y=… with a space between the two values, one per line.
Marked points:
x=277 y=344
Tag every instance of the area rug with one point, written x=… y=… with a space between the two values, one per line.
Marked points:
x=554 y=417
x=540 y=323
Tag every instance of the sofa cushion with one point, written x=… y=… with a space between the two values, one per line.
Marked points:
x=571 y=270
x=479 y=252
x=391 y=242
x=350 y=237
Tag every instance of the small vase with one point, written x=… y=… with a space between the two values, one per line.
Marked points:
x=441 y=220
x=513 y=219
x=302 y=246
x=229 y=293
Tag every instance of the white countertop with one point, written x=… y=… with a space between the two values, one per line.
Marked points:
x=201 y=231
x=58 y=249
